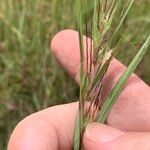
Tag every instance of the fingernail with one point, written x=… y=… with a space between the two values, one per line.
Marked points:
x=102 y=133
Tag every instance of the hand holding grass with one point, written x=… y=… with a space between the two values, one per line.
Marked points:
x=53 y=128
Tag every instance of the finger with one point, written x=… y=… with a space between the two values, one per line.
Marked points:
x=50 y=129
x=102 y=137
x=132 y=109
x=65 y=48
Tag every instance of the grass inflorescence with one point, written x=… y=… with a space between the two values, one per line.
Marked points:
x=106 y=22
x=30 y=78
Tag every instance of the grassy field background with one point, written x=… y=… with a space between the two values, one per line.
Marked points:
x=30 y=78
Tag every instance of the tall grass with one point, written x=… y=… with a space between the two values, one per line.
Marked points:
x=108 y=18
x=30 y=79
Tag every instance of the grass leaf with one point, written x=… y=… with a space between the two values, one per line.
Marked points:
x=95 y=33
x=77 y=134
x=100 y=74
x=122 y=18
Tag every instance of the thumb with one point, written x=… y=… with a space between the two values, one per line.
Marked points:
x=103 y=137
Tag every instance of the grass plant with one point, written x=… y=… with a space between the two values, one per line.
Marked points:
x=30 y=78
x=107 y=20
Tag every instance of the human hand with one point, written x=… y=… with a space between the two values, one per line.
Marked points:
x=53 y=128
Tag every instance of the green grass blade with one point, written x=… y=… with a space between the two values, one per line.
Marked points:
x=110 y=100
x=80 y=122
x=122 y=18
x=77 y=134
x=100 y=73
x=103 y=69
x=111 y=17
x=102 y=54
x=95 y=33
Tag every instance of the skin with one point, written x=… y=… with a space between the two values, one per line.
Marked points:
x=128 y=124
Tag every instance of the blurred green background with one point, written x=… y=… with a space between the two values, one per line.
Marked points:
x=30 y=78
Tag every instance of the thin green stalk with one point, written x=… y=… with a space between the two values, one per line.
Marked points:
x=77 y=134
x=96 y=33
x=122 y=18
x=80 y=121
